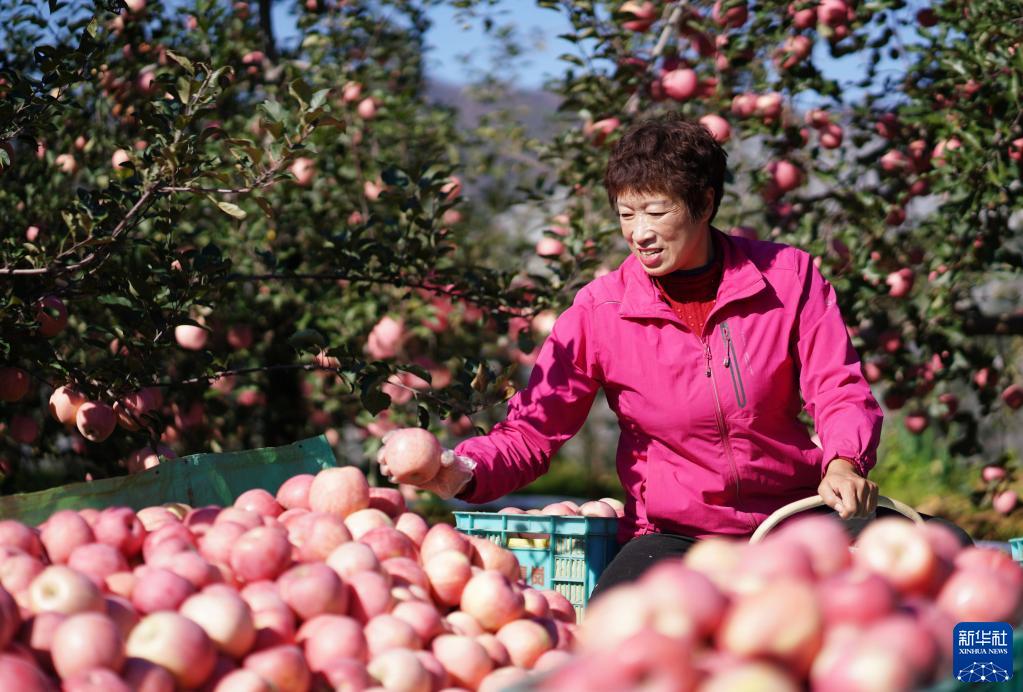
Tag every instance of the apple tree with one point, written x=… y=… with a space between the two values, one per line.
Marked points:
x=214 y=242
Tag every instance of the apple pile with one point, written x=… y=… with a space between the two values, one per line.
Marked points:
x=798 y=611
x=604 y=507
x=329 y=584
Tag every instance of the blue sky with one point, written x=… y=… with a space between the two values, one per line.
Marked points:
x=459 y=47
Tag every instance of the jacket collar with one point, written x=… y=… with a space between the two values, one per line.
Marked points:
x=740 y=279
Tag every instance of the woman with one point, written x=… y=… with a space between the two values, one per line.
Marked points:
x=707 y=347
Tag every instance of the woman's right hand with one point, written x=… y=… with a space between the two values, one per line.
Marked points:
x=454 y=474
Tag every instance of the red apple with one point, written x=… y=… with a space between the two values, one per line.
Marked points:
x=363 y=521
x=351 y=92
x=284 y=667
x=85 y=641
x=413 y=526
x=120 y=528
x=66 y=163
x=259 y=501
x=492 y=600
x=64 y=531
x=159 y=589
x=176 y=643
x=326 y=638
x=97 y=561
x=339 y=491
x=980 y=595
x=398 y=669
x=316 y=535
x=21 y=675
x=644 y=13
x=388 y=500
x=490 y=556
x=786 y=175
x=145 y=676
x=14 y=383
x=367 y=108
x=900 y=282
x=370 y=595
x=706 y=606
x=782 y=621
x=294 y=492
x=51 y=315
x=304 y=170
x=465 y=659
x=349 y=558
x=313 y=589
x=729 y=15
x=898 y=551
x=95 y=680
x=718 y=126
x=855 y=596
x=60 y=589
x=387 y=542
x=680 y=84
x=95 y=420
x=225 y=617
x=261 y=553
x=1013 y=396
x=549 y=247
x=120 y=156
x=1005 y=501
x=191 y=337
x=916 y=422
x=443 y=537
x=413 y=456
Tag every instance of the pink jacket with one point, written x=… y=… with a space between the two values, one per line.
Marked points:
x=711 y=442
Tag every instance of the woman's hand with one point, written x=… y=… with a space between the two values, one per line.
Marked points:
x=846 y=491
x=454 y=474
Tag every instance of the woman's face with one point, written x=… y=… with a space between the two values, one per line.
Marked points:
x=661 y=234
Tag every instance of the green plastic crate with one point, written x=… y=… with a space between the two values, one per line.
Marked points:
x=197 y=480
x=566 y=554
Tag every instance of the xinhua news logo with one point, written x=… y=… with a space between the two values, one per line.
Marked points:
x=982 y=652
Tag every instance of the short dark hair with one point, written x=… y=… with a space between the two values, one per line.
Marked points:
x=668 y=155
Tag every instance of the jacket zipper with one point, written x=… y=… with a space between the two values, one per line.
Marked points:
x=721 y=417
x=731 y=357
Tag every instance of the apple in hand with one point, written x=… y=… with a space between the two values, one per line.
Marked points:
x=413 y=456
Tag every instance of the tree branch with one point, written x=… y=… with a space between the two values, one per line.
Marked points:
x=92 y=257
x=334 y=276
x=632 y=105
x=266 y=24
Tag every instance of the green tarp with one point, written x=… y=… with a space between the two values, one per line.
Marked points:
x=197 y=480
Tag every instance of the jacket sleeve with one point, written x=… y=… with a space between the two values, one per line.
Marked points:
x=542 y=416
x=846 y=415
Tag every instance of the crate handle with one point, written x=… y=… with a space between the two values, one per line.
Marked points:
x=816 y=501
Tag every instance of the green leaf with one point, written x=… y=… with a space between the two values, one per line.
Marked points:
x=308 y=340
x=375 y=401
x=229 y=209
x=183 y=61
x=274 y=110
x=319 y=98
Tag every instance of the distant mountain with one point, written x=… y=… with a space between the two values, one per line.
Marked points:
x=538 y=107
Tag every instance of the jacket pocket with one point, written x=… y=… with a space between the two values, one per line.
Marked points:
x=733 y=366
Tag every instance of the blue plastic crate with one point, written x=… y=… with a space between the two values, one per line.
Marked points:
x=1016 y=546
x=566 y=554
